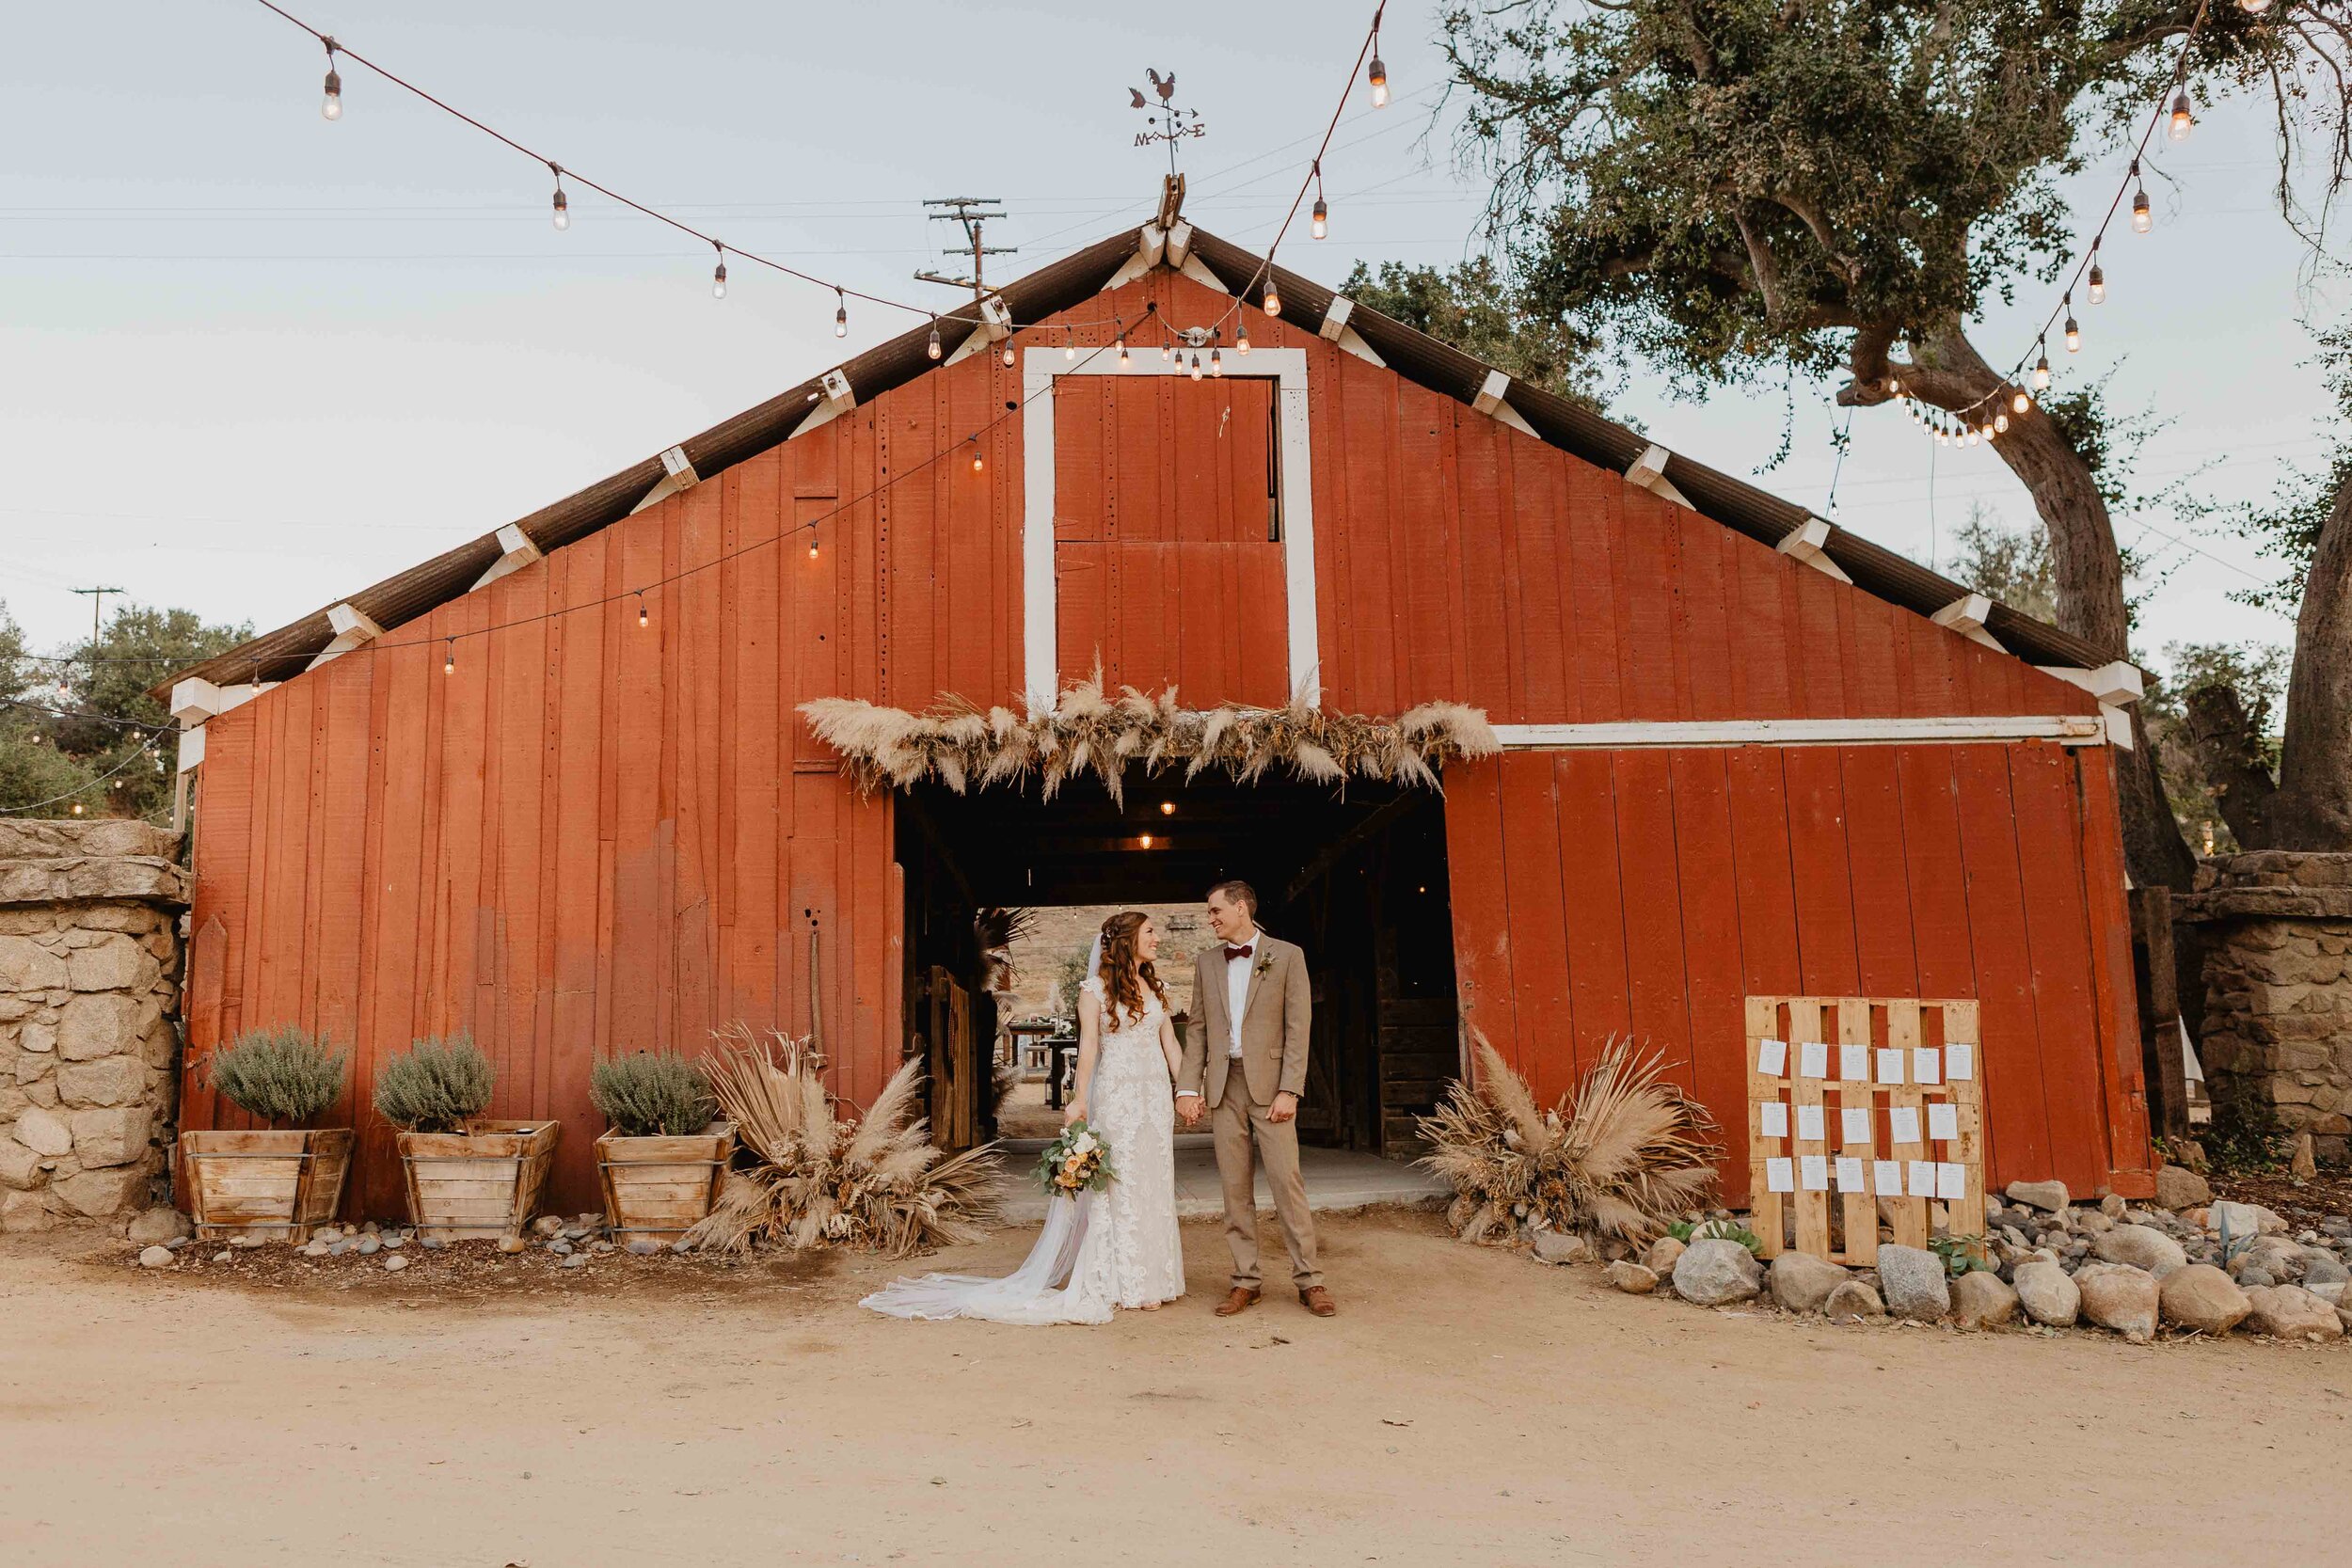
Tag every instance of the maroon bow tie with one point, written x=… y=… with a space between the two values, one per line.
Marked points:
x=1233 y=953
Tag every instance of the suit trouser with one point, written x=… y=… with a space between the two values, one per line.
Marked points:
x=1243 y=1130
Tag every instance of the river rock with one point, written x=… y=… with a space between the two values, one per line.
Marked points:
x=2321 y=1267
x=1558 y=1247
x=512 y=1244
x=2179 y=1187
x=2244 y=1219
x=163 y=1258
x=1853 y=1299
x=1914 y=1282
x=548 y=1225
x=646 y=1246
x=2201 y=1297
x=2048 y=1196
x=1801 y=1282
x=1634 y=1279
x=2291 y=1312
x=2142 y=1246
x=1715 y=1273
x=2120 y=1297
x=315 y=1249
x=2093 y=1222
x=1981 y=1298
x=396 y=1263
x=1660 y=1259
x=576 y=1260
x=162 y=1223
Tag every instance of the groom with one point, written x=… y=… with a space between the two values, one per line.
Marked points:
x=1250 y=991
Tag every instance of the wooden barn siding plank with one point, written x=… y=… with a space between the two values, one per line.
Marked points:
x=346 y=847
x=1536 y=912
x=1478 y=877
x=1772 y=961
x=511 y=984
x=223 y=866
x=1756 y=593
x=1538 y=590
x=1656 y=963
x=582 y=724
x=1426 y=531
x=1368 y=404
x=1887 y=961
x=1706 y=871
x=1703 y=649
x=1645 y=580
x=754 y=841
x=1589 y=542
x=702 y=724
x=2057 y=934
x=1583 y=843
x=2017 y=1110
x=1819 y=867
x=2127 y=1153
x=639 y=935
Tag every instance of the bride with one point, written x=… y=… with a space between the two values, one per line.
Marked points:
x=1116 y=1248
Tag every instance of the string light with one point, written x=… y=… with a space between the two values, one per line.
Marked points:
x=2000 y=422
x=1216 y=365
x=2021 y=401
x=1196 y=365
x=1069 y=345
x=2098 y=277
x=1241 y=337
x=2041 y=369
x=1167 y=351
x=331 y=107
x=932 y=348
x=2254 y=8
x=2182 y=120
x=77 y=811
x=449 y=657
x=643 y=618
x=2074 y=329
x=840 y=314
x=1377 y=73
x=1008 y=354
x=978 y=462
x=1321 y=227
x=812 y=540
x=1124 y=360
x=563 y=203
x=719 y=278
x=2142 y=220
x=1273 y=306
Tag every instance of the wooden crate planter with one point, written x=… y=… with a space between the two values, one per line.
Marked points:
x=482 y=1183
x=659 y=1187
x=273 y=1184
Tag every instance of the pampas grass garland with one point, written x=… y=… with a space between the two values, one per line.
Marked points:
x=1620 y=1158
x=1088 y=731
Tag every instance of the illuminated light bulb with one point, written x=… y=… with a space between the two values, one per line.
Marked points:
x=2098 y=285
x=2041 y=371
x=1377 y=75
x=840 y=314
x=719 y=278
x=1273 y=300
x=1167 y=351
x=2184 y=120
x=77 y=805
x=1321 y=228
x=978 y=464
x=1167 y=808
x=1124 y=360
x=563 y=215
x=449 y=657
x=2254 y=8
x=812 y=544
x=1972 y=435
x=641 y=618
x=1990 y=431
x=1008 y=354
x=1146 y=840
x=932 y=348
x=1894 y=386
x=1216 y=364
x=2000 y=422
x=2142 y=220
x=332 y=106
x=2020 y=403
x=2074 y=332
x=1196 y=366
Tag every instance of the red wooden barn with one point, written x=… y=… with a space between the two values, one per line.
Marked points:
x=550 y=788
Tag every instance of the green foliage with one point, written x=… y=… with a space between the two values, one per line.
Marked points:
x=1717 y=1231
x=2286 y=528
x=2011 y=565
x=286 y=1076
x=2244 y=1139
x=2257 y=671
x=436 y=1087
x=1485 y=311
x=651 y=1093
x=1068 y=977
x=1962 y=1253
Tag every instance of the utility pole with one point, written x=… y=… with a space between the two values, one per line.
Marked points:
x=967 y=210
x=97 y=605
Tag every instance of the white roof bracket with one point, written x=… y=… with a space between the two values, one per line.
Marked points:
x=515 y=551
x=1180 y=246
x=1806 y=544
x=1966 y=615
x=1492 y=401
x=352 y=626
x=1335 y=319
x=1648 y=472
x=678 y=474
x=2118 y=685
x=995 y=318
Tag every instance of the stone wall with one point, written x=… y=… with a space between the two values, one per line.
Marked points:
x=2276 y=930
x=89 y=1037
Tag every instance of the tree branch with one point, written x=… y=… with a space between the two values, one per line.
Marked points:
x=2228 y=750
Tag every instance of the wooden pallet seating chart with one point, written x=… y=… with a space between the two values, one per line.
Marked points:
x=1834 y=1080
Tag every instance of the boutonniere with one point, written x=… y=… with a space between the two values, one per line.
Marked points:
x=1266 y=961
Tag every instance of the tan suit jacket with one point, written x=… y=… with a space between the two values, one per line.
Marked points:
x=1274 y=1024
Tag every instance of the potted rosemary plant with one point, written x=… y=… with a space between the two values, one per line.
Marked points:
x=663 y=1159
x=468 y=1175
x=282 y=1180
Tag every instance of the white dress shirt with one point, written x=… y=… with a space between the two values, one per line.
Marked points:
x=1237 y=991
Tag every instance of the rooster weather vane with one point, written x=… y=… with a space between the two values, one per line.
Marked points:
x=1172 y=124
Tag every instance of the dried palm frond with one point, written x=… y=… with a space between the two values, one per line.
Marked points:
x=1622 y=1158
x=828 y=1180
x=1088 y=731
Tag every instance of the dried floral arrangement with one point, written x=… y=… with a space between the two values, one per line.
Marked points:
x=828 y=1180
x=1623 y=1157
x=1089 y=731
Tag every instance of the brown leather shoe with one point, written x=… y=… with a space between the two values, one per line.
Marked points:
x=1316 y=1299
x=1239 y=1299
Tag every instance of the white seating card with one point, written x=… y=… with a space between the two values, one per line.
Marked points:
x=1943 y=1120
x=1890 y=1066
x=1816 y=1172
x=1780 y=1175
x=1922 y=1179
x=1951 y=1181
x=1855 y=1125
x=1923 y=1068
x=1903 y=1124
x=1960 y=1060
x=1809 y=1123
x=1850 y=1174
x=1773 y=1119
x=1853 y=1063
x=1813 y=1057
x=1886 y=1177
x=1772 y=1057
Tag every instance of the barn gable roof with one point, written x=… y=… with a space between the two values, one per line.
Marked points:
x=1417 y=357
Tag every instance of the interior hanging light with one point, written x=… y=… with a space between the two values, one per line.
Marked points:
x=840 y=313
x=563 y=215
x=719 y=277
x=332 y=106
x=932 y=348
x=2184 y=119
x=1167 y=350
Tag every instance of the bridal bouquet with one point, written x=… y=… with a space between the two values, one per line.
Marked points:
x=1077 y=1161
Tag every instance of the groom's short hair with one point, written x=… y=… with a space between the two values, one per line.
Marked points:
x=1235 y=891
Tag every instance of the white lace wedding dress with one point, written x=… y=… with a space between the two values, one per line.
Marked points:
x=1101 y=1250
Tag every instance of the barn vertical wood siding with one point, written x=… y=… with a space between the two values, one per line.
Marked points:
x=595 y=836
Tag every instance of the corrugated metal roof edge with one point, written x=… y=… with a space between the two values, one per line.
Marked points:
x=1730 y=501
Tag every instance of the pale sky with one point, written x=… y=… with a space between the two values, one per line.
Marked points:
x=255 y=361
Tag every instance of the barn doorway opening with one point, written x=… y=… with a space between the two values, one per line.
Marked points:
x=1358 y=879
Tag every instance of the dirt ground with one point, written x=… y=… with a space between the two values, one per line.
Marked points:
x=1465 y=1407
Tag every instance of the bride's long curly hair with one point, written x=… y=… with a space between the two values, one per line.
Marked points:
x=1123 y=977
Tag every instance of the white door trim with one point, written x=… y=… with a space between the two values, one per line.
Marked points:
x=2067 y=729
x=1039 y=624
